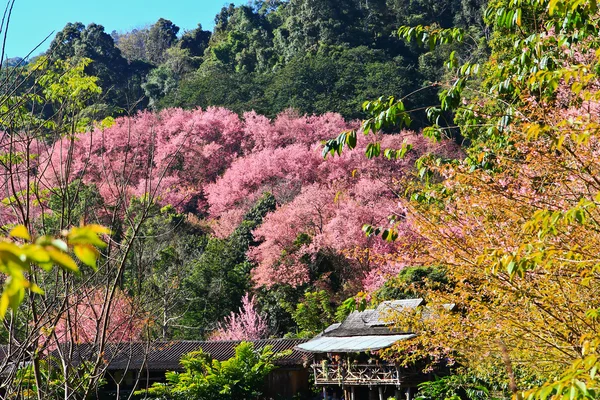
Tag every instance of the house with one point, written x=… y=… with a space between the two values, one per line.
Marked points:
x=137 y=365
x=346 y=362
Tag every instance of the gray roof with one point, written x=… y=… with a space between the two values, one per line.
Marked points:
x=379 y=316
x=165 y=356
x=352 y=344
x=332 y=327
x=372 y=322
x=363 y=331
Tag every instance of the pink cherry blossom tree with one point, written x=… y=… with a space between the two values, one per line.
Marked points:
x=246 y=324
x=81 y=322
x=167 y=156
x=327 y=200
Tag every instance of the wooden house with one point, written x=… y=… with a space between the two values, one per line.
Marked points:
x=137 y=365
x=346 y=363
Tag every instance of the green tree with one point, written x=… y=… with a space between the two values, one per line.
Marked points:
x=195 y=41
x=240 y=377
x=114 y=74
x=220 y=276
x=160 y=83
x=307 y=25
x=132 y=44
x=314 y=313
x=164 y=79
x=339 y=80
x=161 y=261
x=414 y=282
x=315 y=56
x=161 y=36
x=77 y=202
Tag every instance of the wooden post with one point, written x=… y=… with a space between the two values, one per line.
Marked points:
x=408 y=393
x=380 y=393
x=324 y=393
x=352 y=393
x=372 y=394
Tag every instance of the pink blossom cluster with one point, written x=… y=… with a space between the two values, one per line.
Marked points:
x=167 y=156
x=21 y=156
x=246 y=324
x=328 y=200
x=82 y=322
x=214 y=162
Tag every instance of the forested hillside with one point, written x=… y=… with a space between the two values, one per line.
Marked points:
x=244 y=198
x=303 y=160
x=313 y=56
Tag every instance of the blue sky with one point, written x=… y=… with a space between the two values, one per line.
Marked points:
x=32 y=20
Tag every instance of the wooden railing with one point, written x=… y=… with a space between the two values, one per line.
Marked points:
x=356 y=374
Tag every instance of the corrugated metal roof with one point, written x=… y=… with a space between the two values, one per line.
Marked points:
x=326 y=344
x=166 y=355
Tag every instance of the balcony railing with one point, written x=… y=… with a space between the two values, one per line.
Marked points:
x=356 y=374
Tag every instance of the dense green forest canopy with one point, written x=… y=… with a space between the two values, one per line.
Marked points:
x=268 y=56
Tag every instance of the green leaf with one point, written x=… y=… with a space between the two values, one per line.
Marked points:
x=373 y=150
x=517 y=19
x=581 y=386
x=36 y=289
x=36 y=253
x=16 y=298
x=544 y=392
x=510 y=268
x=351 y=139
x=85 y=235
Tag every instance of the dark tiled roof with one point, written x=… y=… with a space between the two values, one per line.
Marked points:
x=165 y=356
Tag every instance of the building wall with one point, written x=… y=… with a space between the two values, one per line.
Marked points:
x=283 y=383
x=286 y=382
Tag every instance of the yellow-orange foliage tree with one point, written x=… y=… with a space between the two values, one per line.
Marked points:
x=516 y=224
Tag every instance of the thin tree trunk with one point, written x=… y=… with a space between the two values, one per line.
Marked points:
x=512 y=381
